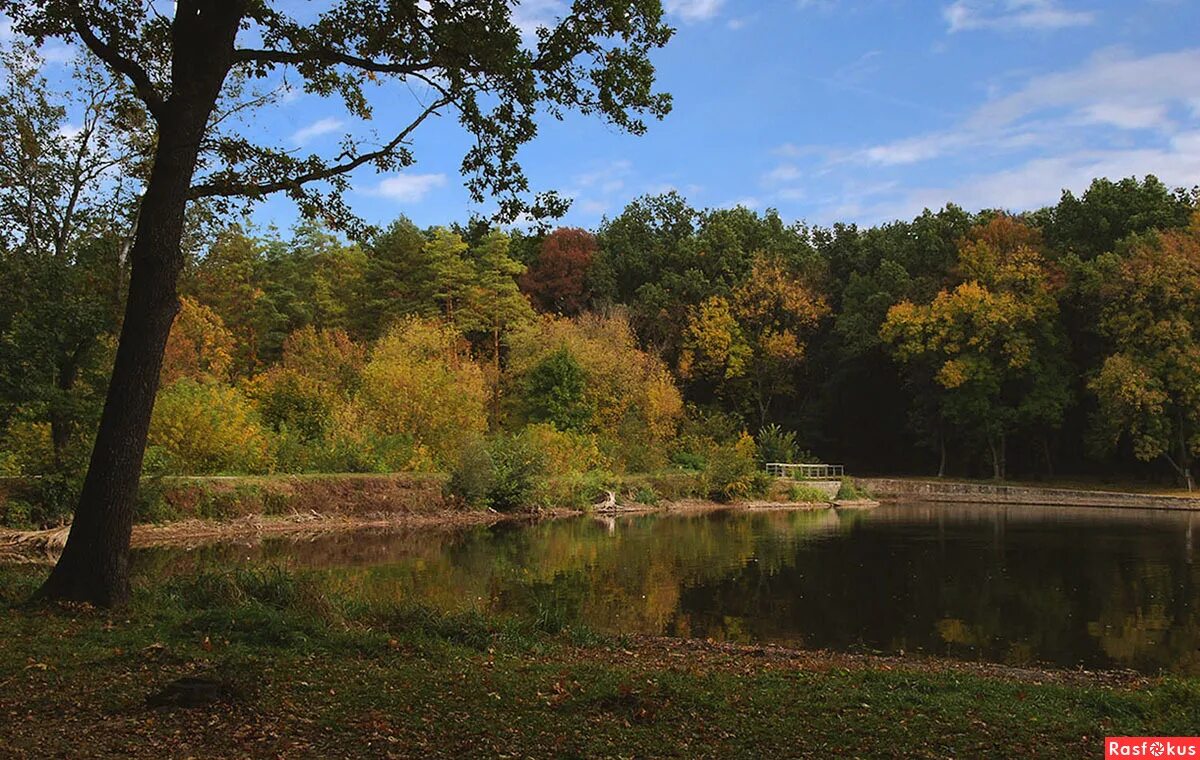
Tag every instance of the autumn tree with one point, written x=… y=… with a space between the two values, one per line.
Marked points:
x=628 y=396
x=992 y=342
x=421 y=384
x=188 y=70
x=557 y=280
x=1148 y=386
x=228 y=278
x=199 y=346
x=751 y=343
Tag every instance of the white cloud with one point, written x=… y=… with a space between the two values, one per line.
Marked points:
x=528 y=15
x=1040 y=181
x=316 y=129
x=782 y=174
x=1113 y=90
x=1111 y=77
x=1114 y=115
x=407 y=187
x=693 y=10
x=749 y=201
x=606 y=179
x=968 y=15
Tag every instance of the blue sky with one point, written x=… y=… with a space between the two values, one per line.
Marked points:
x=851 y=110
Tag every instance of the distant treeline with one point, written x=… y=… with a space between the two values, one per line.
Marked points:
x=1065 y=341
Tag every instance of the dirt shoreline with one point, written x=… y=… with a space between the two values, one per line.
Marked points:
x=44 y=545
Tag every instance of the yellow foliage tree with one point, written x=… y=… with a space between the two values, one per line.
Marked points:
x=992 y=344
x=206 y=428
x=199 y=347
x=629 y=393
x=751 y=343
x=421 y=383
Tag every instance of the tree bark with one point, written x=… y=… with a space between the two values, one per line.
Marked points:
x=94 y=566
x=997 y=465
x=94 y=562
x=942 y=457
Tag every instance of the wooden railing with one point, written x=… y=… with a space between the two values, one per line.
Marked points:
x=805 y=471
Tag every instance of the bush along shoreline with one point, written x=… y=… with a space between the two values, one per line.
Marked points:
x=202 y=509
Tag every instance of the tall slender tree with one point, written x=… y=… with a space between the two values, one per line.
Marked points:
x=194 y=72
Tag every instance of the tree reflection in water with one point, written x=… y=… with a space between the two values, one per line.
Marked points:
x=1069 y=586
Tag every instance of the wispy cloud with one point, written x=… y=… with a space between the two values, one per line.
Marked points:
x=1114 y=115
x=693 y=10
x=598 y=190
x=1039 y=181
x=407 y=187
x=968 y=15
x=320 y=127
x=783 y=173
x=1113 y=89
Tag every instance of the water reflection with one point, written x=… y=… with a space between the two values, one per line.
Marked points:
x=1071 y=586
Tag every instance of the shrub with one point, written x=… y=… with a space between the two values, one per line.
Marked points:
x=354 y=445
x=808 y=494
x=628 y=395
x=646 y=495
x=420 y=384
x=506 y=473
x=566 y=451
x=473 y=476
x=578 y=490
x=519 y=470
x=776 y=445
x=848 y=491
x=291 y=401
x=554 y=392
x=16 y=513
x=26 y=448
x=733 y=471
x=208 y=427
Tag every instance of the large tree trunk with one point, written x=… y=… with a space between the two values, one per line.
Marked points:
x=94 y=563
x=94 y=566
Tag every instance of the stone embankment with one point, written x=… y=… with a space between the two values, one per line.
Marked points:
x=991 y=493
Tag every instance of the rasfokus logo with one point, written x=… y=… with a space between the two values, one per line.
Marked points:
x=1152 y=746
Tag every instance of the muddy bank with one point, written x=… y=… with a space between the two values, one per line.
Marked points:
x=321 y=505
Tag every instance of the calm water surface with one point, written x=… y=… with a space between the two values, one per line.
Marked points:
x=1068 y=586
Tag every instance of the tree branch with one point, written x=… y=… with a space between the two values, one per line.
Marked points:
x=224 y=189
x=145 y=89
x=326 y=56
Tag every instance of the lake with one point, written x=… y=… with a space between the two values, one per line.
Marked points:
x=1097 y=588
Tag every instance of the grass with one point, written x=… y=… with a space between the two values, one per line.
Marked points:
x=799 y=492
x=314 y=670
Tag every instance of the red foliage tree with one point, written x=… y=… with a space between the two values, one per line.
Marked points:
x=557 y=281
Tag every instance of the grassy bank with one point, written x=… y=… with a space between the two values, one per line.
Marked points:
x=301 y=667
x=353 y=496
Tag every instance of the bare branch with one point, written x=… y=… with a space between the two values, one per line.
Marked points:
x=225 y=189
x=128 y=67
x=328 y=57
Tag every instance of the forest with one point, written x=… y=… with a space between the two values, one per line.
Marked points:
x=1058 y=343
